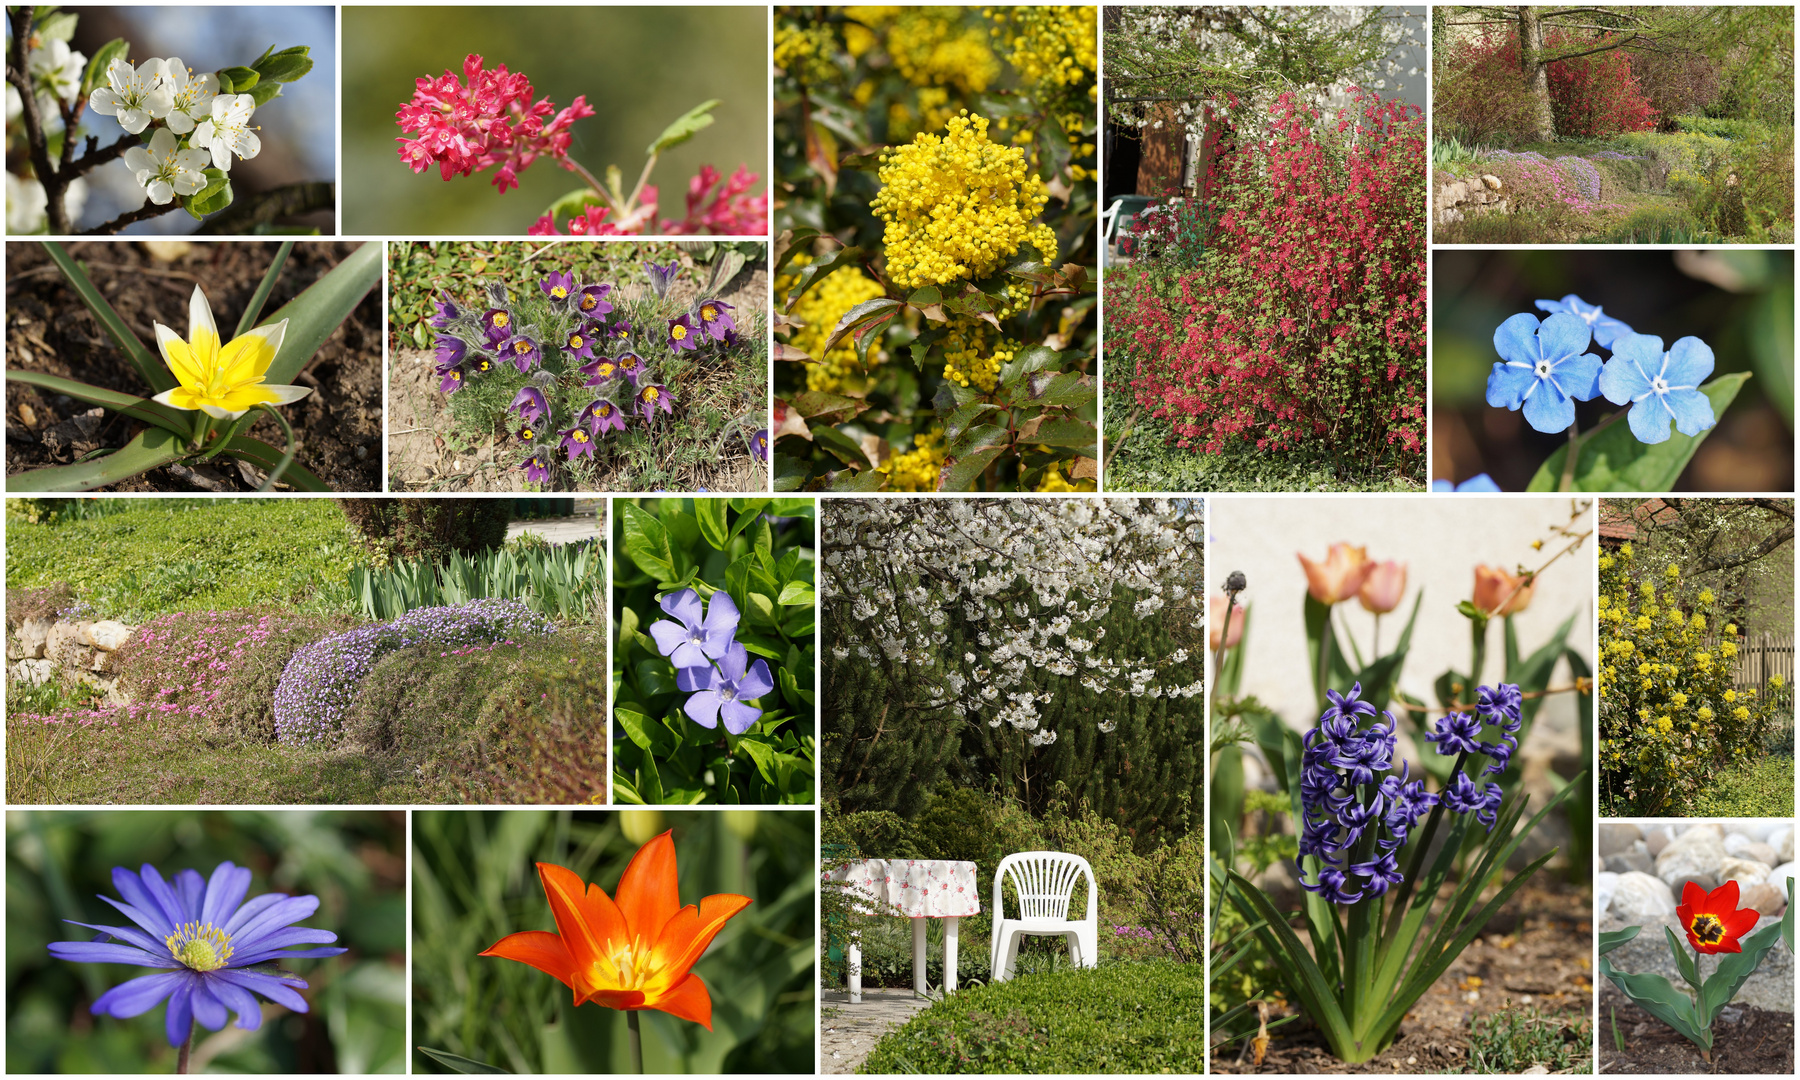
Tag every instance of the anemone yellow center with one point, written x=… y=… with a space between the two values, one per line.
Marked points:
x=574 y=341
x=558 y=291
x=709 y=313
x=588 y=302
x=527 y=434
x=1708 y=930
x=521 y=346
x=603 y=411
x=456 y=376
x=578 y=435
x=200 y=947
x=649 y=393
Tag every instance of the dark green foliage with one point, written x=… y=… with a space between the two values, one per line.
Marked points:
x=414 y=528
x=882 y=750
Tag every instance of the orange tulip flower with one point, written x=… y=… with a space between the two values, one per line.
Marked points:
x=1215 y=623
x=637 y=953
x=1713 y=920
x=1493 y=586
x=1340 y=576
x=1381 y=593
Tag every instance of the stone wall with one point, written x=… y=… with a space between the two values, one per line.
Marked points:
x=71 y=650
x=1458 y=198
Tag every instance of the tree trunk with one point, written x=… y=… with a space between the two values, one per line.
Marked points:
x=1536 y=73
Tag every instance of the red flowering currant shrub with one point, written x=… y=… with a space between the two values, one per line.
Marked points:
x=1483 y=99
x=1304 y=322
x=1596 y=96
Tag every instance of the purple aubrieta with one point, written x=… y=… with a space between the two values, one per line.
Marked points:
x=721 y=692
x=1660 y=386
x=1606 y=329
x=691 y=640
x=207 y=940
x=1544 y=369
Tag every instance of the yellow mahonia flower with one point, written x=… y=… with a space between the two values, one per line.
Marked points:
x=936 y=46
x=918 y=468
x=805 y=52
x=1643 y=622
x=1776 y=681
x=1730 y=696
x=1678 y=699
x=867 y=21
x=1706 y=596
x=1053 y=481
x=821 y=307
x=1698 y=622
x=1673 y=573
x=1741 y=713
x=1705 y=714
x=972 y=353
x=1727 y=649
x=1731 y=628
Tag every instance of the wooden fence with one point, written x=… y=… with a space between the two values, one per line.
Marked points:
x=1762 y=655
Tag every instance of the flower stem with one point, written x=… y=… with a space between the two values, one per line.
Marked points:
x=1324 y=660
x=1569 y=459
x=187 y=1047
x=637 y=1044
x=1418 y=857
x=1219 y=656
x=286 y=458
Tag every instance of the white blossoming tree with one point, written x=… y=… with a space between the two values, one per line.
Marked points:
x=1017 y=642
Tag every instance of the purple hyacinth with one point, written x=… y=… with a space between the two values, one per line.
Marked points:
x=690 y=641
x=1463 y=795
x=1457 y=733
x=720 y=691
x=1500 y=707
x=207 y=939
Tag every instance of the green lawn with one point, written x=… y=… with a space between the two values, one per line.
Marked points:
x=1763 y=788
x=1149 y=460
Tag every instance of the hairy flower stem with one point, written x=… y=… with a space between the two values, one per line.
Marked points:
x=1418 y=857
x=1568 y=475
x=636 y=1043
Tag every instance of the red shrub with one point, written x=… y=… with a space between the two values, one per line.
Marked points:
x=1305 y=321
x=1596 y=96
x=1483 y=95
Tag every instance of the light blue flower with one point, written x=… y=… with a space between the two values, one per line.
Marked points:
x=1479 y=482
x=1544 y=369
x=1660 y=386
x=1606 y=328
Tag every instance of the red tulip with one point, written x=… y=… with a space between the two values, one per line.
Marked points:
x=1713 y=921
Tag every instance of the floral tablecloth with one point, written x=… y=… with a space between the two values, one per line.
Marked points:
x=915 y=888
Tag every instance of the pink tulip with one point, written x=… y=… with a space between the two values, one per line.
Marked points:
x=1381 y=593
x=1340 y=576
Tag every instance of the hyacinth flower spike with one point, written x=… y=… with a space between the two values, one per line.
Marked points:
x=216 y=951
x=223 y=380
x=635 y=952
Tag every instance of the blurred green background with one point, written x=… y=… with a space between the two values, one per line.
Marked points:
x=57 y=862
x=474 y=882
x=1741 y=303
x=640 y=67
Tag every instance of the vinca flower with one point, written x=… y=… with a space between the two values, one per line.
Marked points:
x=1606 y=329
x=225 y=381
x=164 y=171
x=133 y=96
x=217 y=951
x=637 y=952
x=691 y=641
x=191 y=96
x=227 y=130
x=722 y=690
x=603 y=414
x=1544 y=369
x=1713 y=920
x=1660 y=386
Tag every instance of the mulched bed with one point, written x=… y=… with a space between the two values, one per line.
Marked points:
x=1535 y=952
x=1746 y=1041
x=48 y=329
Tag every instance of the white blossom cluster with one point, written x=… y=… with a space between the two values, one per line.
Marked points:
x=197 y=125
x=1037 y=573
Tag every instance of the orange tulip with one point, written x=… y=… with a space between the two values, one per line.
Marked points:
x=1494 y=587
x=1215 y=620
x=1386 y=585
x=1340 y=576
x=637 y=953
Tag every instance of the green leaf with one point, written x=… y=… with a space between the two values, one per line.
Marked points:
x=840 y=446
x=178 y=421
x=1612 y=939
x=316 y=313
x=1068 y=389
x=979 y=437
x=247 y=321
x=264 y=92
x=795 y=593
x=816 y=271
x=458 y=1063
x=241 y=79
x=866 y=311
x=654 y=676
x=694 y=120
x=763 y=755
x=830 y=408
x=647 y=542
x=962 y=475
x=855 y=480
x=649 y=734
x=1065 y=431
x=95 y=75
x=1682 y=960
x=153 y=447
x=59 y=27
x=711 y=515
x=267 y=458
x=1036 y=358
x=288 y=65
x=925 y=296
x=1658 y=997
x=212 y=198
x=791 y=474
x=1734 y=969
x=147 y=363
x=964 y=416
x=1612 y=459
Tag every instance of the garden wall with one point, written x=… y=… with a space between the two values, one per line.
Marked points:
x=75 y=650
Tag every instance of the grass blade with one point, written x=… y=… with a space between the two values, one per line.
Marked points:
x=315 y=314
x=261 y=297
x=147 y=362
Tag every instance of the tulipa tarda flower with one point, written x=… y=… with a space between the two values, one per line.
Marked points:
x=225 y=381
x=637 y=952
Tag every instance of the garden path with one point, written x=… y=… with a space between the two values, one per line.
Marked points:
x=565 y=530
x=849 y=1032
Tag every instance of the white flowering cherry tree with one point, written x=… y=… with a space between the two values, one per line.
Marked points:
x=1032 y=640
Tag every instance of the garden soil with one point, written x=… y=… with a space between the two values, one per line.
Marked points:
x=48 y=329
x=1535 y=952
x=425 y=455
x=1746 y=1041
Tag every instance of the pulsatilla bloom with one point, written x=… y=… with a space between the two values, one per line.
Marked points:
x=524 y=353
x=1713 y=920
x=224 y=381
x=683 y=334
x=558 y=286
x=654 y=397
x=496 y=324
x=600 y=371
x=536 y=471
x=602 y=414
x=636 y=952
x=593 y=301
x=216 y=950
x=714 y=317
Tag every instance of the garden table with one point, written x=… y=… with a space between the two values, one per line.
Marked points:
x=917 y=889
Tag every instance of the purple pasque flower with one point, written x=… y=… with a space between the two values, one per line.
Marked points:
x=1660 y=386
x=631 y=367
x=497 y=324
x=660 y=276
x=536 y=470
x=524 y=353
x=1544 y=369
x=653 y=397
x=558 y=286
x=683 y=334
x=206 y=938
x=602 y=414
x=722 y=690
x=690 y=641
x=449 y=352
x=714 y=317
x=580 y=342
x=591 y=301
x=528 y=434
x=1463 y=795
x=1481 y=482
x=479 y=364
x=531 y=404
x=759 y=445
x=600 y=371
x=577 y=442
x=1606 y=328
x=453 y=379
x=447 y=312
x=620 y=331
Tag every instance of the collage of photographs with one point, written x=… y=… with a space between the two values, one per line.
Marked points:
x=1282 y=517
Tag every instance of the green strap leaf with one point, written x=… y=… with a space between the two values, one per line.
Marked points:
x=1612 y=939
x=458 y=1063
x=147 y=363
x=152 y=448
x=1612 y=459
x=1682 y=960
x=179 y=421
x=247 y=321
x=267 y=458
x=316 y=313
x=1659 y=997
x=1308 y=981
x=694 y=120
x=1734 y=969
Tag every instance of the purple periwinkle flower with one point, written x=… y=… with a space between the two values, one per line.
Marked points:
x=558 y=286
x=450 y=352
x=524 y=353
x=576 y=442
x=1544 y=369
x=721 y=691
x=683 y=334
x=1606 y=328
x=1660 y=386
x=207 y=939
x=453 y=380
x=447 y=312
x=714 y=317
x=660 y=276
x=1480 y=482
x=602 y=414
x=759 y=445
x=536 y=471
x=530 y=403
x=690 y=641
x=592 y=300
x=653 y=397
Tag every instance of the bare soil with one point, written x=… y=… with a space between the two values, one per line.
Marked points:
x=49 y=329
x=1746 y=1041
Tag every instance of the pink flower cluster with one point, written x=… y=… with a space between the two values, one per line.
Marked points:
x=490 y=121
x=728 y=211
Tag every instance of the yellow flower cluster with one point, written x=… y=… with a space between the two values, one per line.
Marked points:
x=805 y=52
x=1054 y=481
x=918 y=468
x=1055 y=51
x=957 y=206
x=821 y=307
x=971 y=355
x=930 y=46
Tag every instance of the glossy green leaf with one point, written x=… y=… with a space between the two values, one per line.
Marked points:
x=95 y=73
x=840 y=446
x=968 y=469
x=212 y=198
x=288 y=65
x=1612 y=459
x=828 y=408
x=646 y=542
x=711 y=515
x=150 y=449
x=858 y=480
x=817 y=270
x=867 y=311
x=647 y=733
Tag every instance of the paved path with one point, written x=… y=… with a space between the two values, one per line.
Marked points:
x=848 y=1032
x=558 y=530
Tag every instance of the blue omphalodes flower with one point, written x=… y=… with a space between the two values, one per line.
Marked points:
x=1606 y=328
x=720 y=692
x=1479 y=482
x=1660 y=386
x=1543 y=369
x=690 y=641
x=207 y=938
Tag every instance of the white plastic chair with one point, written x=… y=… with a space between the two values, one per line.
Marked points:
x=1044 y=882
